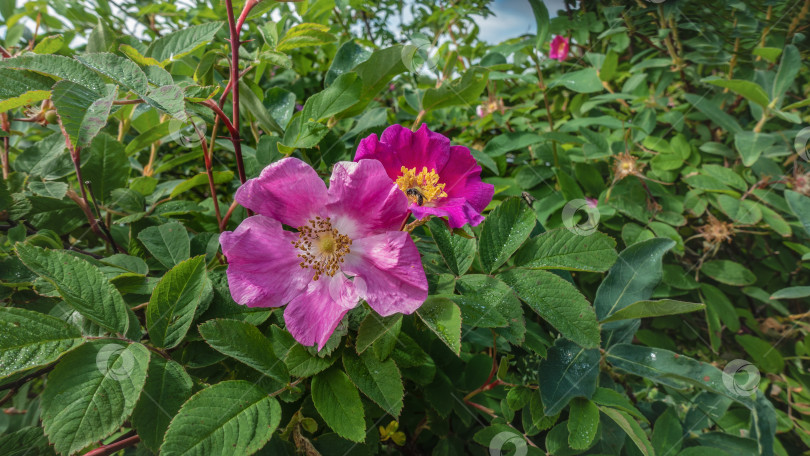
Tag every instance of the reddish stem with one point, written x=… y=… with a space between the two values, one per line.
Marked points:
x=235 y=29
x=224 y=223
x=114 y=447
x=6 y=125
x=210 y=171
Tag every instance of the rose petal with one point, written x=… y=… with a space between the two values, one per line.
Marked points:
x=371 y=148
x=312 y=316
x=422 y=148
x=389 y=272
x=288 y=190
x=263 y=267
x=363 y=200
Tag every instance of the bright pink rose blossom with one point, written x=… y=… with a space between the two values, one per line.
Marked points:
x=439 y=179
x=347 y=246
x=559 y=48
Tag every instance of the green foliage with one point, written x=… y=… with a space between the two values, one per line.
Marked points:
x=638 y=285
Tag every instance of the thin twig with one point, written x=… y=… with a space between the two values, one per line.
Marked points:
x=114 y=447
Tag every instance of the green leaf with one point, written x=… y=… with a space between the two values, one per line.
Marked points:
x=107 y=168
x=348 y=56
x=674 y=370
x=614 y=399
x=174 y=301
x=568 y=371
x=56 y=190
x=220 y=177
x=744 y=212
x=280 y=105
x=244 y=342
x=565 y=249
x=341 y=95
x=583 y=421
x=751 y=144
x=59 y=66
x=167 y=387
x=378 y=331
x=230 y=417
x=19 y=88
x=50 y=44
x=497 y=297
x=762 y=352
x=182 y=42
x=580 y=81
x=376 y=72
x=458 y=251
x=543 y=25
x=709 y=108
x=667 y=433
x=462 y=91
x=632 y=428
x=632 y=279
x=558 y=302
x=31 y=339
x=752 y=91
x=728 y=272
x=168 y=243
x=82 y=285
x=788 y=69
x=792 y=293
x=25 y=442
x=91 y=392
x=27 y=98
x=338 y=403
x=249 y=102
x=298 y=359
x=504 y=230
x=508 y=142
x=608 y=69
x=443 y=317
x=644 y=309
x=46 y=159
x=122 y=71
x=303 y=35
x=169 y=99
x=379 y=380
x=800 y=206
x=82 y=111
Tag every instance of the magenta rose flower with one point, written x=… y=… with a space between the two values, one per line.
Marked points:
x=346 y=246
x=438 y=179
x=559 y=48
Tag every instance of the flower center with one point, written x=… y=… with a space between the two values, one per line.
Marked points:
x=322 y=247
x=420 y=188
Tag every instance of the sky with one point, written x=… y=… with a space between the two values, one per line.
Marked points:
x=512 y=18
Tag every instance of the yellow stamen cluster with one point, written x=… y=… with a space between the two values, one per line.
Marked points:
x=322 y=247
x=425 y=184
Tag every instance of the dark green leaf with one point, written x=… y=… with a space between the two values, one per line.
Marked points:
x=231 y=417
x=91 y=392
x=504 y=230
x=82 y=285
x=338 y=403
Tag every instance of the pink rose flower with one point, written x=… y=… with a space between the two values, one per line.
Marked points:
x=439 y=179
x=347 y=246
x=592 y=202
x=559 y=48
